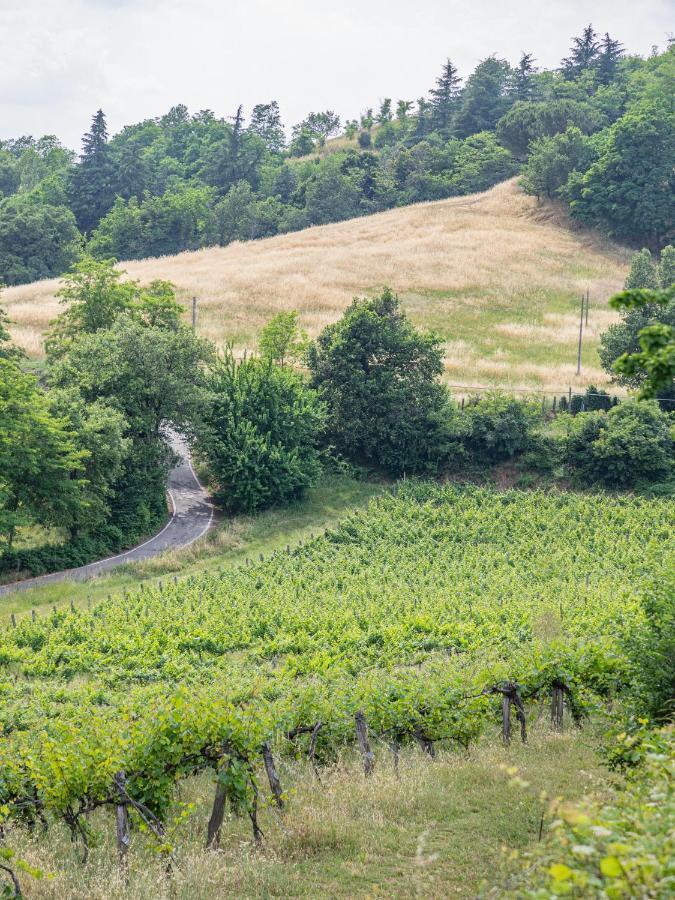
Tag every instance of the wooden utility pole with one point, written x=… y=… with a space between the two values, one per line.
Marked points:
x=588 y=303
x=194 y=313
x=581 y=334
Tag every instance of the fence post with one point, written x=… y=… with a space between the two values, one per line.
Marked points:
x=557 y=706
x=13 y=620
x=194 y=313
x=122 y=823
x=506 y=718
x=272 y=776
x=364 y=745
x=581 y=335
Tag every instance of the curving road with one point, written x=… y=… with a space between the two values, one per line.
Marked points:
x=192 y=516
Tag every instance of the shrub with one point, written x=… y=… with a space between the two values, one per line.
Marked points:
x=620 y=448
x=379 y=377
x=260 y=433
x=364 y=140
x=497 y=427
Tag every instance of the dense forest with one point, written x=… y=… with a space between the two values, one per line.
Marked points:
x=598 y=133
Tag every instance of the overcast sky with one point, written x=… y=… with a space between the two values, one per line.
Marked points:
x=62 y=59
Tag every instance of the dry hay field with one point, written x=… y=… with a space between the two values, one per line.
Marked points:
x=496 y=275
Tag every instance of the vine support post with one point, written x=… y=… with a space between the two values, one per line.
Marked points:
x=122 y=823
x=272 y=777
x=557 y=706
x=506 y=718
x=218 y=809
x=364 y=743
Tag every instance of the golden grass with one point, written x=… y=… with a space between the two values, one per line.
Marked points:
x=497 y=276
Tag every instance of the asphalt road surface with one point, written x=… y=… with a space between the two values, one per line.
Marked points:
x=191 y=518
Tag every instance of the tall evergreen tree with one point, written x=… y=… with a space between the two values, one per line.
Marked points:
x=91 y=185
x=522 y=79
x=610 y=53
x=485 y=98
x=584 y=53
x=444 y=98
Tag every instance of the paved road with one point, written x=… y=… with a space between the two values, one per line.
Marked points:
x=191 y=518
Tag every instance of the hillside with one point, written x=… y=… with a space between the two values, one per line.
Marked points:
x=498 y=276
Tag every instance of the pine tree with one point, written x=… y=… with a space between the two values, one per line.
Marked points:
x=444 y=98
x=485 y=98
x=584 y=53
x=522 y=81
x=384 y=115
x=91 y=185
x=611 y=52
x=643 y=272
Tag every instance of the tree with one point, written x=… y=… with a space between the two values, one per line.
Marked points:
x=522 y=85
x=378 y=376
x=620 y=448
x=525 y=122
x=667 y=266
x=403 y=108
x=643 y=272
x=654 y=364
x=266 y=123
x=629 y=189
x=260 y=433
x=153 y=377
x=610 y=53
x=444 y=97
x=384 y=114
x=40 y=466
x=551 y=161
x=584 y=53
x=8 y=350
x=282 y=340
x=37 y=240
x=98 y=431
x=95 y=296
x=302 y=142
x=91 y=194
x=485 y=98
x=321 y=125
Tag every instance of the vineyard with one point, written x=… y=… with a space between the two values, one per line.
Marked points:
x=437 y=614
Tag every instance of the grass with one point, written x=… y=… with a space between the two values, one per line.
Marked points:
x=497 y=275
x=440 y=828
x=228 y=544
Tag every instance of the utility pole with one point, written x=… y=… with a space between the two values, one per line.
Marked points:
x=588 y=303
x=581 y=334
x=194 y=313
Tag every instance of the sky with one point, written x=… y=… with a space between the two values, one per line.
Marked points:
x=63 y=59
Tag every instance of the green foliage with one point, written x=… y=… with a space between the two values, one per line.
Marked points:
x=497 y=427
x=553 y=159
x=260 y=433
x=90 y=191
x=37 y=240
x=379 y=377
x=629 y=189
x=630 y=443
x=485 y=98
x=527 y=122
x=7 y=349
x=40 y=464
x=643 y=272
x=624 y=848
x=653 y=366
x=281 y=340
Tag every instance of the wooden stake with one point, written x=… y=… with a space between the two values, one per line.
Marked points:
x=122 y=821
x=13 y=621
x=506 y=718
x=364 y=744
x=217 y=816
x=557 y=707
x=581 y=335
x=272 y=777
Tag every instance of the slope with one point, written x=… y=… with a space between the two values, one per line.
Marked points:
x=498 y=276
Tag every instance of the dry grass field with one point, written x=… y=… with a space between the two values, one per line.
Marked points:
x=497 y=276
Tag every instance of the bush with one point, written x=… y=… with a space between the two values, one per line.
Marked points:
x=497 y=427
x=620 y=448
x=379 y=377
x=364 y=140
x=260 y=434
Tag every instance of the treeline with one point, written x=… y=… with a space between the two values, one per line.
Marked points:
x=598 y=132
